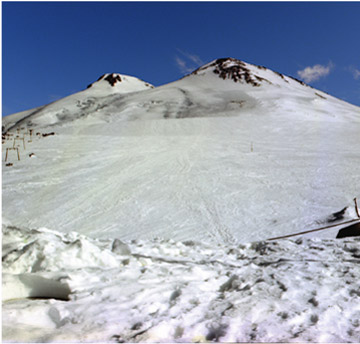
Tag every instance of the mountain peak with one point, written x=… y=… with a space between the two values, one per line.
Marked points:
x=111 y=78
x=245 y=73
x=233 y=69
x=115 y=79
x=230 y=68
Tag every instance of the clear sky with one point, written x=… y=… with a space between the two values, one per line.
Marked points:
x=53 y=49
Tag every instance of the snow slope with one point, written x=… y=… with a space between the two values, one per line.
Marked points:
x=225 y=87
x=180 y=175
x=139 y=180
x=77 y=105
x=215 y=169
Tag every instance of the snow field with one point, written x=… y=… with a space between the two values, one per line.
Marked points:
x=139 y=180
x=169 y=291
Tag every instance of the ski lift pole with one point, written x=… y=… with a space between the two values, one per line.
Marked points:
x=7 y=153
x=356 y=208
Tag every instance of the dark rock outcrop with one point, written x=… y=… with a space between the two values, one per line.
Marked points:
x=236 y=70
x=112 y=79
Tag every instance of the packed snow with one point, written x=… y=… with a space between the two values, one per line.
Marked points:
x=141 y=214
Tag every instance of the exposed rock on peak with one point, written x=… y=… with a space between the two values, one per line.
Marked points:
x=230 y=68
x=111 y=78
x=236 y=70
x=118 y=83
x=119 y=79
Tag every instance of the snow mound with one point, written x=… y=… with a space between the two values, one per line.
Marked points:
x=303 y=290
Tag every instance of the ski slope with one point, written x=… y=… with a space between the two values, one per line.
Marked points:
x=179 y=177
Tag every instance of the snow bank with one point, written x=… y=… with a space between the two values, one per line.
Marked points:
x=170 y=291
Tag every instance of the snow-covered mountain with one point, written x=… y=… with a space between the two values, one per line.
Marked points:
x=244 y=131
x=224 y=87
x=126 y=173
x=77 y=105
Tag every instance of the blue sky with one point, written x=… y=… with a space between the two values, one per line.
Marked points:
x=53 y=49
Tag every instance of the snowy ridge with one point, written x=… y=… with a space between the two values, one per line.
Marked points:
x=303 y=290
x=78 y=105
x=224 y=87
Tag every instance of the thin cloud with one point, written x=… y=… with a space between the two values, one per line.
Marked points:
x=315 y=72
x=355 y=72
x=184 y=68
x=187 y=62
x=194 y=58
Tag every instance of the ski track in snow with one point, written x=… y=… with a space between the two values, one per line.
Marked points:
x=303 y=290
x=182 y=174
